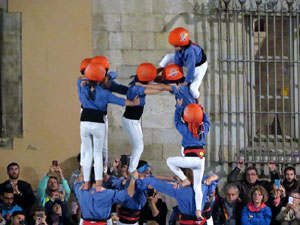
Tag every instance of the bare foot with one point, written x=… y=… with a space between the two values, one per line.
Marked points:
x=99 y=185
x=86 y=185
x=199 y=215
x=99 y=188
x=185 y=183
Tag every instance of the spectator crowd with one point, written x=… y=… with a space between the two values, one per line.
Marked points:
x=137 y=198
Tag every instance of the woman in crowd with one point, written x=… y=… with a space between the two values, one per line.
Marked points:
x=276 y=201
x=256 y=212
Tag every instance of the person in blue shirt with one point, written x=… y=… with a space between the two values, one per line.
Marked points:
x=131 y=118
x=187 y=54
x=129 y=212
x=193 y=130
x=256 y=212
x=185 y=196
x=8 y=206
x=96 y=206
x=94 y=100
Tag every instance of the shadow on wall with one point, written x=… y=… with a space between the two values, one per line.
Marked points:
x=29 y=173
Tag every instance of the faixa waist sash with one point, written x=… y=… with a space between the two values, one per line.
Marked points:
x=87 y=222
x=92 y=115
x=194 y=152
x=190 y=220
x=128 y=216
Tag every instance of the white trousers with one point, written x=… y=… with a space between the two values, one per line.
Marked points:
x=197 y=166
x=105 y=146
x=134 y=130
x=198 y=75
x=92 y=140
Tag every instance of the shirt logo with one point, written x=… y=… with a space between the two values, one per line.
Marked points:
x=183 y=36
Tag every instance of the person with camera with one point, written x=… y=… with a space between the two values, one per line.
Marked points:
x=38 y=215
x=155 y=209
x=49 y=187
x=23 y=194
x=17 y=218
x=57 y=212
x=290 y=214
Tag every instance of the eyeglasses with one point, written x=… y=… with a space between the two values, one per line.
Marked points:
x=251 y=174
x=7 y=198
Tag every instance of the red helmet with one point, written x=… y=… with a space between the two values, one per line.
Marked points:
x=146 y=72
x=84 y=63
x=193 y=115
x=95 y=72
x=101 y=60
x=179 y=37
x=172 y=72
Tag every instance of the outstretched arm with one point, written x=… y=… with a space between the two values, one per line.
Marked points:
x=151 y=91
x=161 y=87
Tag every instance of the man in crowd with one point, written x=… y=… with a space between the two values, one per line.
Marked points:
x=23 y=194
x=8 y=205
x=290 y=182
x=155 y=209
x=228 y=210
x=291 y=213
x=38 y=216
x=48 y=187
x=18 y=218
x=250 y=179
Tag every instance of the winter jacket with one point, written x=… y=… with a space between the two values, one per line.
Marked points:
x=256 y=216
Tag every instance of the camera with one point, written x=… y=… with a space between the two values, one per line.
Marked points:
x=40 y=215
x=277 y=183
x=54 y=163
x=291 y=200
x=150 y=192
x=125 y=159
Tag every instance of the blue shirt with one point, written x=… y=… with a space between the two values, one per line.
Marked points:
x=187 y=137
x=188 y=57
x=10 y=211
x=185 y=196
x=114 y=183
x=136 y=90
x=102 y=97
x=97 y=205
x=262 y=216
x=139 y=197
x=183 y=93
